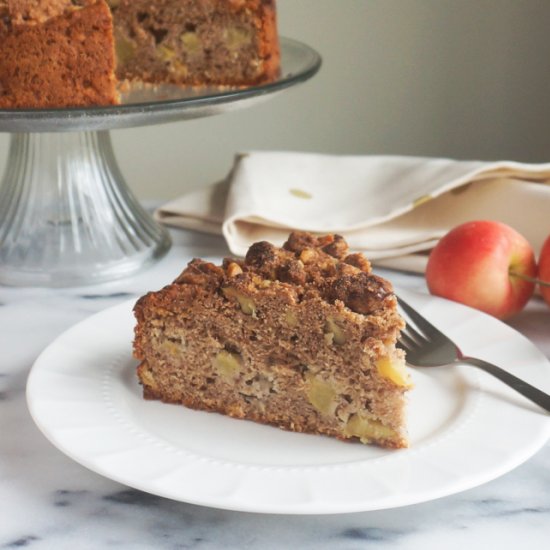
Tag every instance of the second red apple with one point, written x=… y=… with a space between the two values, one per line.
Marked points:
x=482 y=264
x=544 y=270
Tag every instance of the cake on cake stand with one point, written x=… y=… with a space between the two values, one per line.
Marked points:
x=67 y=217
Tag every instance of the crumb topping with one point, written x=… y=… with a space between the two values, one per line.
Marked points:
x=314 y=266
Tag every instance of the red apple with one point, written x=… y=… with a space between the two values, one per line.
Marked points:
x=481 y=264
x=544 y=270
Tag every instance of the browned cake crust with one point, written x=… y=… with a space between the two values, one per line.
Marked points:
x=197 y=42
x=56 y=53
x=301 y=337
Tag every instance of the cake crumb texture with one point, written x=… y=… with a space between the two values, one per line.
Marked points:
x=197 y=42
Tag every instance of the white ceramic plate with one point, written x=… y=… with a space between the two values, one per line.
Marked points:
x=466 y=428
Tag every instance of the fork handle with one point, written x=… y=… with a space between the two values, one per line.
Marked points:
x=532 y=393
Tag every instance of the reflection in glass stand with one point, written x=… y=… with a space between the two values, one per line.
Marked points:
x=67 y=216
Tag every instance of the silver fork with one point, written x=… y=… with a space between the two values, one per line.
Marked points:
x=429 y=347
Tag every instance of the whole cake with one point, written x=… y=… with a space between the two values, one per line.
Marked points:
x=59 y=53
x=300 y=337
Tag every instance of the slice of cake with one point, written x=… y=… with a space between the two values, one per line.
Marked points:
x=196 y=42
x=301 y=337
x=56 y=53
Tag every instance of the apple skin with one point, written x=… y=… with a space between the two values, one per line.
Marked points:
x=544 y=270
x=472 y=264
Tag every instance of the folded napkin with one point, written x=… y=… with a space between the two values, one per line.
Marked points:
x=392 y=208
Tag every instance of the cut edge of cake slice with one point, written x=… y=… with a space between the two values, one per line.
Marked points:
x=301 y=337
x=221 y=43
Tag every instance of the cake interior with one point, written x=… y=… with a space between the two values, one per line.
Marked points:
x=214 y=42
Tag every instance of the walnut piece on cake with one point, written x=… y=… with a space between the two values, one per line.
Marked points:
x=300 y=337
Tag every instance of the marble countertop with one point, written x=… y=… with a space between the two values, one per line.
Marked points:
x=49 y=501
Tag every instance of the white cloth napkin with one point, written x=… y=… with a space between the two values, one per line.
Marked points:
x=392 y=208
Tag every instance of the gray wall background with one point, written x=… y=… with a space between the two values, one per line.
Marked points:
x=455 y=78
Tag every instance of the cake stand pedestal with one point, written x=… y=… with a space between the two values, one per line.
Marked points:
x=67 y=217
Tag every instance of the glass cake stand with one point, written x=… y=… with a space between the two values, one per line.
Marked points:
x=67 y=217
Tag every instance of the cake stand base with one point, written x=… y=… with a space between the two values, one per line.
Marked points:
x=67 y=217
